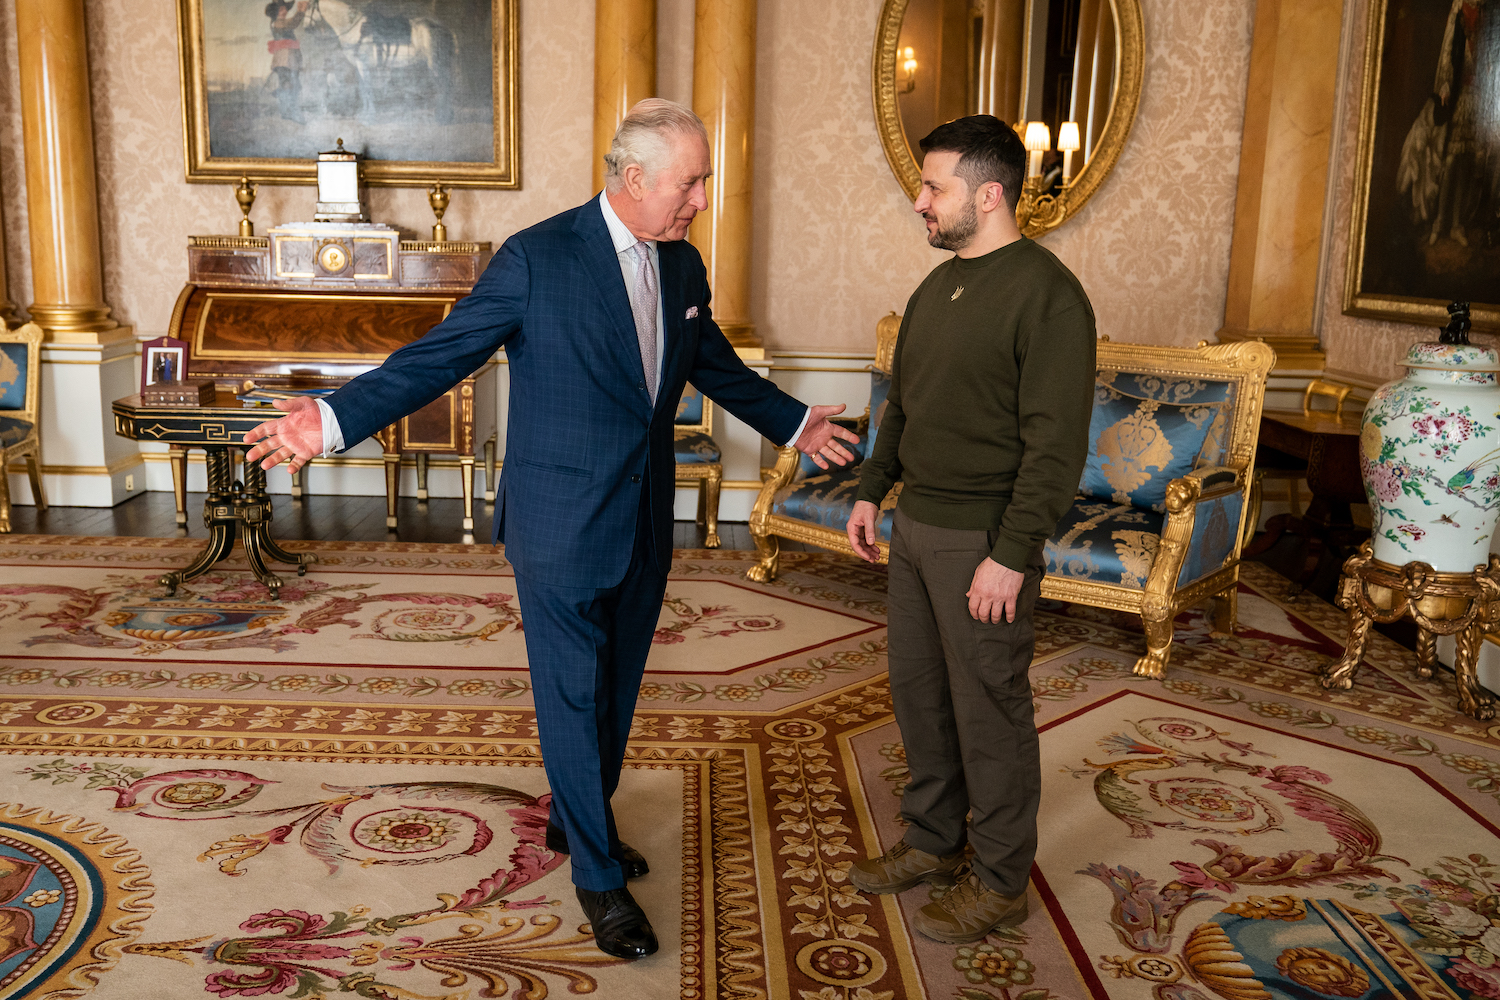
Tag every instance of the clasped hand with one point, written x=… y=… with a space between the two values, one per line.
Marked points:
x=993 y=592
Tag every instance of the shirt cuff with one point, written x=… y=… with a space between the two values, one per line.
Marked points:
x=800 y=428
x=333 y=436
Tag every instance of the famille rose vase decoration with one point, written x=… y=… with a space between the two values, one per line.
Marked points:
x=1429 y=452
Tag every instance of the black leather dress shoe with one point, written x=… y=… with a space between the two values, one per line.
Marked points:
x=632 y=860
x=619 y=924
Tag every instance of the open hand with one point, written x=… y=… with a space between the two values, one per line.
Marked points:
x=296 y=438
x=819 y=438
x=862 y=530
x=993 y=592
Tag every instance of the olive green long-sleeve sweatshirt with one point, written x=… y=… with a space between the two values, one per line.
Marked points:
x=991 y=391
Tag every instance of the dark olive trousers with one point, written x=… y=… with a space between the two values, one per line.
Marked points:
x=963 y=702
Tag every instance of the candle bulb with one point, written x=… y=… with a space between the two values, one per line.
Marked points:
x=1038 y=140
x=1067 y=141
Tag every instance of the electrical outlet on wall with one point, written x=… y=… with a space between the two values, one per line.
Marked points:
x=129 y=482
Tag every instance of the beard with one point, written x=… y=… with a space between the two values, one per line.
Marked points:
x=954 y=233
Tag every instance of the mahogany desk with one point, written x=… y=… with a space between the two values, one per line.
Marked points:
x=230 y=504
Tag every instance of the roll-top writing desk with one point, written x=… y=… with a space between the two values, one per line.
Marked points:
x=312 y=305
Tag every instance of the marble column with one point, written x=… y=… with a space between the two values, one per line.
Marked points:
x=624 y=67
x=1283 y=180
x=724 y=97
x=87 y=358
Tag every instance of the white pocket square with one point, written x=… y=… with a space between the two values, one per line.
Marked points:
x=692 y=313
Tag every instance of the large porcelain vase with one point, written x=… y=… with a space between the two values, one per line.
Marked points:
x=1429 y=452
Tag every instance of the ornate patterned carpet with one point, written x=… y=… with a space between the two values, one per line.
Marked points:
x=339 y=793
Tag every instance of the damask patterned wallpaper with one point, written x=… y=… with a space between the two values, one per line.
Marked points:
x=836 y=243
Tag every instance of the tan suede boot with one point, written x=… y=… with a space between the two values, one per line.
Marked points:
x=969 y=911
x=902 y=867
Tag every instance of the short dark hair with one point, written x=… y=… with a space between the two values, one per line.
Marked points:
x=988 y=150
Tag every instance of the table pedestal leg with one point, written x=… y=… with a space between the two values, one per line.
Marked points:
x=254 y=509
x=218 y=516
x=177 y=457
x=466 y=474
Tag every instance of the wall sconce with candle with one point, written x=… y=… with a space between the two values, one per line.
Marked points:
x=1038 y=140
x=1068 y=143
x=908 y=70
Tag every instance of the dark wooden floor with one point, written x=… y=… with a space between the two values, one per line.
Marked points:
x=325 y=518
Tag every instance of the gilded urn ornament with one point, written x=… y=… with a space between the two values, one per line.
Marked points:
x=1430 y=454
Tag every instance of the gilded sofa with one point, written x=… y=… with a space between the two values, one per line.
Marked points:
x=1159 y=520
x=20 y=411
x=699 y=460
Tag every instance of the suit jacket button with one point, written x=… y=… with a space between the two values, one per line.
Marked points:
x=635 y=479
x=640 y=385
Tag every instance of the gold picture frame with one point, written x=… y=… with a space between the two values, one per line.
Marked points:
x=1382 y=129
x=1036 y=212
x=354 y=55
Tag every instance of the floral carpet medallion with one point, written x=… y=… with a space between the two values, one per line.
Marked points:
x=339 y=793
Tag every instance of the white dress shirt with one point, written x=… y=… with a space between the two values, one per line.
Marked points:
x=623 y=239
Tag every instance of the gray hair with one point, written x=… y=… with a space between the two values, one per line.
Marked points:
x=644 y=138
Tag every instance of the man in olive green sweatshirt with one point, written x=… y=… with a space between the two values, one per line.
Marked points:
x=986 y=428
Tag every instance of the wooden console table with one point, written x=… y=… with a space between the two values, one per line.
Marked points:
x=231 y=506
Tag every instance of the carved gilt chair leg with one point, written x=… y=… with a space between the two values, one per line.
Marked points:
x=1158 y=623
x=4 y=496
x=489 y=471
x=1427 y=656
x=392 y=482
x=768 y=548
x=422 y=477
x=1473 y=700
x=709 y=497
x=34 y=471
x=1226 y=609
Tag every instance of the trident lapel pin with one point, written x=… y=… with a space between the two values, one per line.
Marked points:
x=956 y=293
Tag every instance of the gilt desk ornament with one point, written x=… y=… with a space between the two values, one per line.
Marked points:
x=437 y=197
x=245 y=195
x=1429 y=454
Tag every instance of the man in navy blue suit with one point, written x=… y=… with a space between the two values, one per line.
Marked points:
x=603 y=314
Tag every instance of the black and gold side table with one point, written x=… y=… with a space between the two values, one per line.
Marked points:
x=231 y=506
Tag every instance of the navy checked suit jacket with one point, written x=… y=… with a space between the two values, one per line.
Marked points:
x=583 y=438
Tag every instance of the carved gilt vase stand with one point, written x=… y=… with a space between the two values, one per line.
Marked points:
x=1461 y=604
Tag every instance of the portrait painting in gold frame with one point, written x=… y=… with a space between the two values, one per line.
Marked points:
x=424 y=90
x=1426 y=216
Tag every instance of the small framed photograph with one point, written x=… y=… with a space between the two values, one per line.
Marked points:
x=163 y=360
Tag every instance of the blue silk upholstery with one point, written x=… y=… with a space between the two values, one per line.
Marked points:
x=1182 y=392
x=1105 y=542
x=1137 y=446
x=1214 y=530
x=690 y=408
x=13 y=364
x=827 y=500
x=696 y=449
x=13 y=431
x=880 y=388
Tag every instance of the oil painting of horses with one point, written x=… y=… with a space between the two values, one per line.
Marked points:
x=409 y=84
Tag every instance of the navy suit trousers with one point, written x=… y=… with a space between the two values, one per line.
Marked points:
x=587 y=651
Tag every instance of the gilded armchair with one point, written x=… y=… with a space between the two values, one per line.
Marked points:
x=1160 y=518
x=20 y=411
x=804 y=503
x=699 y=460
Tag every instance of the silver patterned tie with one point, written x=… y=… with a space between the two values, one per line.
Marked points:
x=643 y=303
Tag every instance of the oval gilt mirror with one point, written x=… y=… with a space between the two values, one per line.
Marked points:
x=1065 y=73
